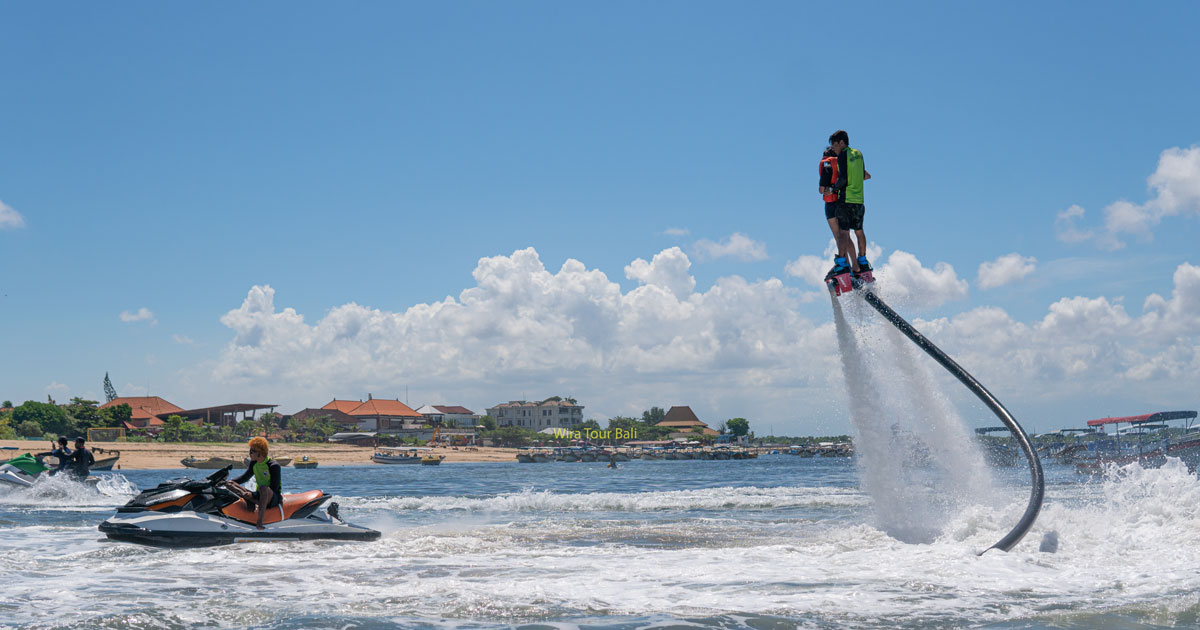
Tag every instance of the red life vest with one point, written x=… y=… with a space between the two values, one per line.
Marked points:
x=831 y=164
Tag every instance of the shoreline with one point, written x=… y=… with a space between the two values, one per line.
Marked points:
x=167 y=455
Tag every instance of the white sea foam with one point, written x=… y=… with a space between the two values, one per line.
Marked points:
x=918 y=459
x=1129 y=543
x=49 y=491
x=725 y=498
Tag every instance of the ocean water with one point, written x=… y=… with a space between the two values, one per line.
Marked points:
x=773 y=543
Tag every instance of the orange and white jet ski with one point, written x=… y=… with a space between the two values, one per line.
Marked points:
x=187 y=512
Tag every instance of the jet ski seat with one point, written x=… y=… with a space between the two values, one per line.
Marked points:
x=290 y=504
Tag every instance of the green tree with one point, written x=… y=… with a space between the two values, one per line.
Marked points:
x=29 y=428
x=590 y=423
x=189 y=432
x=511 y=436
x=6 y=404
x=246 y=428
x=738 y=426
x=85 y=413
x=270 y=421
x=171 y=428
x=621 y=422
x=653 y=415
x=488 y=423
x=50 y=417
x=116 y=415
x=110 y=393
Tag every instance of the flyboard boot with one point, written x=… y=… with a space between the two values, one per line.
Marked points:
x=864 y=275
x=838 y=279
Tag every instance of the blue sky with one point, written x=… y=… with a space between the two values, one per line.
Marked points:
x=360 y=160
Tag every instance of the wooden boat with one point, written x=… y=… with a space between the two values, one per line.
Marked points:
x=105 y=459
x=209 y=463
x=305 y=462
x=401 y=455
x=282 y=461
x=432 y=460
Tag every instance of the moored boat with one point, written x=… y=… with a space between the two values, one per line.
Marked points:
x=401 y=455
x=1148 y=440
x=209 y=463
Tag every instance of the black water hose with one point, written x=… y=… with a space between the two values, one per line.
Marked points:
x=1038 y=491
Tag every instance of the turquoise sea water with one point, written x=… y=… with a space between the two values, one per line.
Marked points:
x=777 y=542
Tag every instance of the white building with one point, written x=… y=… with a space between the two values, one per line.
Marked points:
x=445 y=415
x=537 y=416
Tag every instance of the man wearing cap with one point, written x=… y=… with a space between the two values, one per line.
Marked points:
x=81 y=460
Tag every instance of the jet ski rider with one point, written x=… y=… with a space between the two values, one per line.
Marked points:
x=81 y=460
x=266 y=474
x=61 y=452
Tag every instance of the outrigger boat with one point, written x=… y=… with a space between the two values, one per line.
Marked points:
x=1147 y=440
x=400 y=455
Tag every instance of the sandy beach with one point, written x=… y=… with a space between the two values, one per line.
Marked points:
x=158 y=455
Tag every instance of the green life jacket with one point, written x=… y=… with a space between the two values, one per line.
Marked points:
x=262 y=473
x=854 y=176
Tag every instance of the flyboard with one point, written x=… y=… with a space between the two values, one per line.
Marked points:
x=844 y=283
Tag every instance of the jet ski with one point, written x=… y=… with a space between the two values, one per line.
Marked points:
x=188 y=512
x=21 y=471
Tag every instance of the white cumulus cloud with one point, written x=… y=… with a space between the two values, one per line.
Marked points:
x=1005 y=269
x=738 y=246
x=669 y=269
x=812 y=269
x=523 y=328
x=904 y=279
x=1174 y=191
x=143 y=314
x=738 y=348
x=10 y=218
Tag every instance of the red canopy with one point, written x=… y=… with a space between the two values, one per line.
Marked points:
x=1160 y=416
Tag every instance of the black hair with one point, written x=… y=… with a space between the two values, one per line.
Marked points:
x=839 y=135
x=62 y=439
x=80 y=439
x=829 y=152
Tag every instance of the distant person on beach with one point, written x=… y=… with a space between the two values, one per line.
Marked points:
x=81 y=460
x=267 y=476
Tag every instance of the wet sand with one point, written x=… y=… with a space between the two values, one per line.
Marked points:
x=158 y=455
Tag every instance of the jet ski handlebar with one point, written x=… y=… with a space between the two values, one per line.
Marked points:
x=220 y=475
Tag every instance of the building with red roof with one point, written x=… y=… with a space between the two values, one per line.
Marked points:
x=147 y=411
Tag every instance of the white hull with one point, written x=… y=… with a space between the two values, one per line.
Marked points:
x=192 y=529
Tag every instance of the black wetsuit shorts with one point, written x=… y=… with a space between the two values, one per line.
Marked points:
x=830 y=209
x=850 y=216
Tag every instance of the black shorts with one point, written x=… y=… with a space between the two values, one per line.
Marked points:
x=275 y=499
x=830 y=209
x=850 y=216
